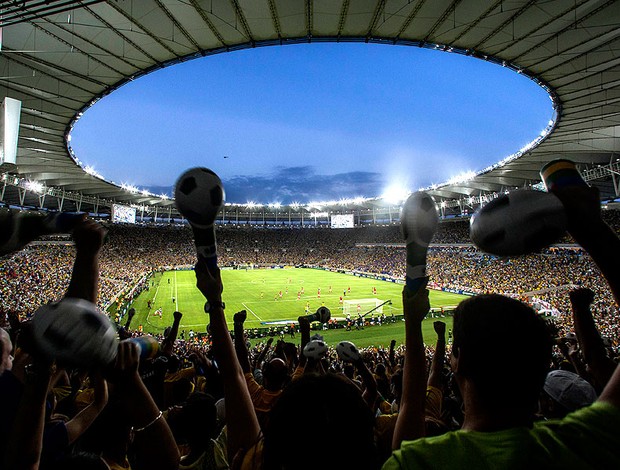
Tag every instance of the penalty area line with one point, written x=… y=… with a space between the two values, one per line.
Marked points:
x=250 y=310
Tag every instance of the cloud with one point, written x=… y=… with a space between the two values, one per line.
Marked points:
x=296 y=184
x=301 y=184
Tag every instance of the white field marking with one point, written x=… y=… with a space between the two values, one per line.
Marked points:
x=176 y=293
x=308 y=298
x=259 y=318
x=156 y=291
x=181 y=326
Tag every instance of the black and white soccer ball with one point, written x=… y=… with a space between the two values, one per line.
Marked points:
x=323 y=314
x=199 y=196
x=520 y=222
x=419 y=219
x=75 y=332
x=315 y=349
x=348 y=352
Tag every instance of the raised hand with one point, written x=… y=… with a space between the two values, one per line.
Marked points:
x=417 y=306
x=209 y=282
x=240 y=317
x=440 y=328
x=89 y=236
x=581 y=299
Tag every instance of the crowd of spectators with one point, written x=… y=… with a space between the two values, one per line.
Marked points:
x=39 y=274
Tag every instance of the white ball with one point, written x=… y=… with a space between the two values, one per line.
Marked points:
x=75 y=332
x=199 y=195
x=419 y=219
x=518 y=223
x=315 y=349
x=347 y=351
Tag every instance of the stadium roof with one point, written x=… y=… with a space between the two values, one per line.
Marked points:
x=60 y=57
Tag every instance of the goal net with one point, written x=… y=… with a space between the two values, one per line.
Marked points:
x=357 y=307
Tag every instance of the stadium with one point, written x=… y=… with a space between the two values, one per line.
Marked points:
x=282 y=264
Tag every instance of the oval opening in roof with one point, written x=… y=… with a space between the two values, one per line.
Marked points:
x=313 y=122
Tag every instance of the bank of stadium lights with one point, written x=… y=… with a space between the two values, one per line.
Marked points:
x=91 y=171
x=130 y=188
x=350 y=201
x=462 y=178
x=274 y=205
x=34 y=186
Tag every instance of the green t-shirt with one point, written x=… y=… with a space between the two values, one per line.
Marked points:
x=587 y=438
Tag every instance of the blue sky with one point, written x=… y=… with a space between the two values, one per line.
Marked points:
x=312 y=122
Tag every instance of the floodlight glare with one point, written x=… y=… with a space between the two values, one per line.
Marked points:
x=395 y=194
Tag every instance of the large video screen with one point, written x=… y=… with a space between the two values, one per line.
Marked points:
x=342 y=221
x=123 y=214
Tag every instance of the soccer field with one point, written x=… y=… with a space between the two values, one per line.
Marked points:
x=258 y=292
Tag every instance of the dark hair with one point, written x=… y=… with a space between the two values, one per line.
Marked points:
x=326 y=413
x=275 y=374
x=504 y=348
x=195 y=420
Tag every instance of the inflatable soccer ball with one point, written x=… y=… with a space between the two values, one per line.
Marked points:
x=418 y=220
x=518 y=223
x=347 y=351
x=315 y=349
x=199 y=195
x=75 y=332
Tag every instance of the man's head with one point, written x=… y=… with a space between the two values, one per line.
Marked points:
x=326 y=413
x=6 y=346
x=501 y=348
x=275 y=374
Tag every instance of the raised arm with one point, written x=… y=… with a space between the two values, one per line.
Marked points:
x=167 y=345
x=263 y=353
x=392 y=357
x=88 y=237
x=410 y=421
x=434 y=378
x=304 y=329
x=82 y=421
x=23 y=449
x=240 y=347
x=242 y=424
x=601 y=367
x=585 y=224
x=148 y=425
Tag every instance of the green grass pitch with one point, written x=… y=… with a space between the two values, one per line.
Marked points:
x=258 y=292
